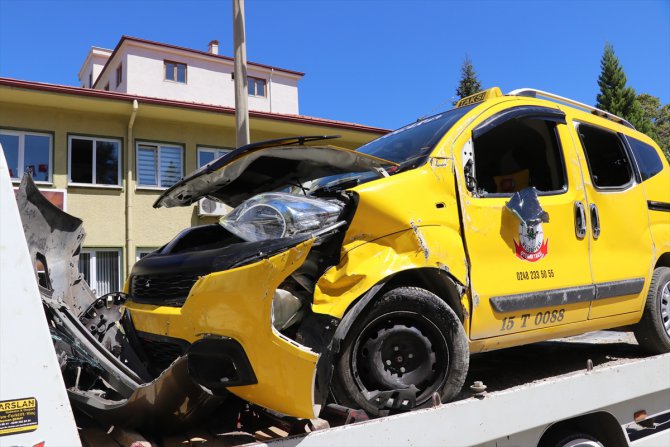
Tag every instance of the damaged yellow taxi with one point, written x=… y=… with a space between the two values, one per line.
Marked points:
x=368 y=277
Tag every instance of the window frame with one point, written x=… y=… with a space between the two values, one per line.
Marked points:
x=21 y=133
x=265 y=88
x=119 y=74
x=176 y=64
x=517 y=113
x=624 y=146
x=214 y=149
x=92 y=265
x=94 y=138
x=143 y=250
x=157 y=145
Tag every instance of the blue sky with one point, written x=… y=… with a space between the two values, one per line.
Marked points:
x=381 y=63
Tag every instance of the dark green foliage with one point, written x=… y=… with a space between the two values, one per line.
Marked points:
x=468 y=84
x=615 y=97
x=659 y=117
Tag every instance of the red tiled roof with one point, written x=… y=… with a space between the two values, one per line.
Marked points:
x=102 y=94
x=190 y=50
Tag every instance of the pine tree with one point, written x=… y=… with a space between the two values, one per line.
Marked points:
x=614 y=96
x=468 y=84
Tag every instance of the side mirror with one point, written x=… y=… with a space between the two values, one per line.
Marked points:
x=525 y=205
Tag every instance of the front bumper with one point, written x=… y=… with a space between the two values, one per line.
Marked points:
x=237 y=304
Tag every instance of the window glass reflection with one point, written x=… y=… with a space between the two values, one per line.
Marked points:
x=36 y=156
x=107 y=162
x=10 y=145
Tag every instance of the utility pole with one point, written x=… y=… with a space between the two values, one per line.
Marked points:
x=241 y=82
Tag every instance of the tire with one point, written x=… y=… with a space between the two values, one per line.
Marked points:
x=572 y=440
x=407 y=337
x=653 y=330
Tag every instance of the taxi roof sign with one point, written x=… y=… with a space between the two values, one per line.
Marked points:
x=479 y=97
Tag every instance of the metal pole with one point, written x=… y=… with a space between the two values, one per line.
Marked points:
x=241 y=86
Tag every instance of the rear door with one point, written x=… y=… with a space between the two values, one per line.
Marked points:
x=621 y=245
x=525 y=274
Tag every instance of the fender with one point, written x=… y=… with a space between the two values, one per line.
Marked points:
x=376 y=261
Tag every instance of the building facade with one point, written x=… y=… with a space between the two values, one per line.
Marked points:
x=147 y=68
x=109 y=155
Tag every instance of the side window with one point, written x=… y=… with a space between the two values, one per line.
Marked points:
x=27 y=152
x=605 y=153
x=207 y=154
x=159 y=165
x=101 y=269
x=518 y=154
x=648 y=161
x=94 y=161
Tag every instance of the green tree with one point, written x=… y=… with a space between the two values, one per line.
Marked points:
x=615 y=97
x=468 y=84
x=659 y=117
x=663 y=129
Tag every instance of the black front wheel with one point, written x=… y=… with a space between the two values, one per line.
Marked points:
x=653 y=331
x=405 y=347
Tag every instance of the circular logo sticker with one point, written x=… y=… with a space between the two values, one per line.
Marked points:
x=531 y=246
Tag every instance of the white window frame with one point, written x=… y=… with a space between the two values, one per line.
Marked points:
x=157 y=147
x=92 y=266
x=143 y=251
x=94 y=174
x=22 y=146
x=217 y=151
x=175 y=72
x=265 y=88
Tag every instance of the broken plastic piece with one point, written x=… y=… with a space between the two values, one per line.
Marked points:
x=102 y=372
x=403 y=400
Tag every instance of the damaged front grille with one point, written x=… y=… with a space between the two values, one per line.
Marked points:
x=161 y=352
x=166 y=290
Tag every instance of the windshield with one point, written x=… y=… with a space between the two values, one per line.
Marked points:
x=415 y=141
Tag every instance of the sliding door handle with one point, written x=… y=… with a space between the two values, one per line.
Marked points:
x=580 y=220
x=595 y=221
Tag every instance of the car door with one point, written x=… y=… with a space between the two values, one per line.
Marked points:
x=525 y=273
x=621 y=244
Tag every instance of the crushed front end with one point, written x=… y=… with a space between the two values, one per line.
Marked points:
x=236 y=297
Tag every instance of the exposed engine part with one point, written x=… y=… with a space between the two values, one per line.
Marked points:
x=287 y=309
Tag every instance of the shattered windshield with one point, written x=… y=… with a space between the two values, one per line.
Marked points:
x=411 y=144
x=408 y=146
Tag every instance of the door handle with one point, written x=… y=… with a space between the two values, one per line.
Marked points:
x=580 y=220
x=595 y=221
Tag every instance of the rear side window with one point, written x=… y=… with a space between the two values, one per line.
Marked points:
x=646 y=157
x=606 y=156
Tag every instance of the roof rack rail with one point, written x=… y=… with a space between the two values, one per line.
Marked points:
x=534 y=93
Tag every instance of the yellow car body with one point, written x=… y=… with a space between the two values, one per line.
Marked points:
x=428 y=227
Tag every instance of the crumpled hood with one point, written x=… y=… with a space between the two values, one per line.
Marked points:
x=260 y=167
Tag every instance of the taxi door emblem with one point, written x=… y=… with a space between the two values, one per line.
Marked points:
x=531 y=246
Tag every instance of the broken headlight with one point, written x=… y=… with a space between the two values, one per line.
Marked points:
x=275 y=215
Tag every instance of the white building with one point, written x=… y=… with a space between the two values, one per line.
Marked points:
x=142 y=67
